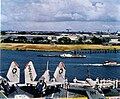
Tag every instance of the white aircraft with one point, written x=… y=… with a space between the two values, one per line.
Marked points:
x=30 y=85
x=44 y=85
x=13 y=82
x=13 y=75
x=57 y=81
x=97 y=83
x=93 y=88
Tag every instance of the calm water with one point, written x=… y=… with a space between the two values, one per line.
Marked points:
x=74 y=66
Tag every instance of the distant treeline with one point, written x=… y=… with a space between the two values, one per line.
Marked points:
x=54 y=32
x=62 y=40
x=28 y=32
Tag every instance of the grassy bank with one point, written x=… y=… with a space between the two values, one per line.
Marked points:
x=48 y=47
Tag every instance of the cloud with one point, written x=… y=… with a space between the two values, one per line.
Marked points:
x=32 y=11
x=59 y=10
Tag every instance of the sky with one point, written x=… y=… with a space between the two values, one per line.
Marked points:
x=60 y=14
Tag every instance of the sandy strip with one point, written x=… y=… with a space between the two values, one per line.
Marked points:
x=48 y=47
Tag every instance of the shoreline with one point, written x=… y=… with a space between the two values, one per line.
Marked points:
x=56 y=47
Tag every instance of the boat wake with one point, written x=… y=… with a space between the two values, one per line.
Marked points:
x=91 y=64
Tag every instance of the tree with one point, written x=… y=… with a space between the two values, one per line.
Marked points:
x=119 y=39
x=84 y=38
x=64 y=40
x=7 y=40
x=80 y=41
x=20 y=39
x=96 y=40
x=3 y=33
x=104 y=40
x=22 y=32
x=37 y=40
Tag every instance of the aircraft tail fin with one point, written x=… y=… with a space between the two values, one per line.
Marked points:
x=59 y=73
x=30 y=73
x=14 y=73
x=46 y=76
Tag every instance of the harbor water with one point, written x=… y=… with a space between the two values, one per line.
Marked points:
x=75 y=67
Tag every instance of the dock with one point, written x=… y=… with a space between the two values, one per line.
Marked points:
x=97 y=51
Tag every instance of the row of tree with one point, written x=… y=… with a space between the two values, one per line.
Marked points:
x=63 y=40
x=23 y=39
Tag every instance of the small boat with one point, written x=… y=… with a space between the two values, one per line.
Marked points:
x=110 y=63
x=72 y=56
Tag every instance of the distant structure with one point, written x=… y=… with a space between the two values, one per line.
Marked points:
x=68 y=30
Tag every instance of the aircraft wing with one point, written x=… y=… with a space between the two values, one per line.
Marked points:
x=33 y=83
x=79 y=84
x=75 y=80
x=105 y=85
x=91 y=92
x=13 y=73
x=1 y=79
x=54 y=83
x=94 y=94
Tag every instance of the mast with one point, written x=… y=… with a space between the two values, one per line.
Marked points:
x=88 y=72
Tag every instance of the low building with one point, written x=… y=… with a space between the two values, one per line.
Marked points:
x=114 y=42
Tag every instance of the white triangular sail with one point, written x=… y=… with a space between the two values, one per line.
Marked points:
x=59 y=73
x=14 y=73
x=30 y=73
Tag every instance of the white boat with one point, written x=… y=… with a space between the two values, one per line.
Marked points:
x=110 y=63
x=72 y=56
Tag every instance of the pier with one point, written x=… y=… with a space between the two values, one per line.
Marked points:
x=96 y=51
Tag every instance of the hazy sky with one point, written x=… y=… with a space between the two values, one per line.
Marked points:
x=51 y=14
